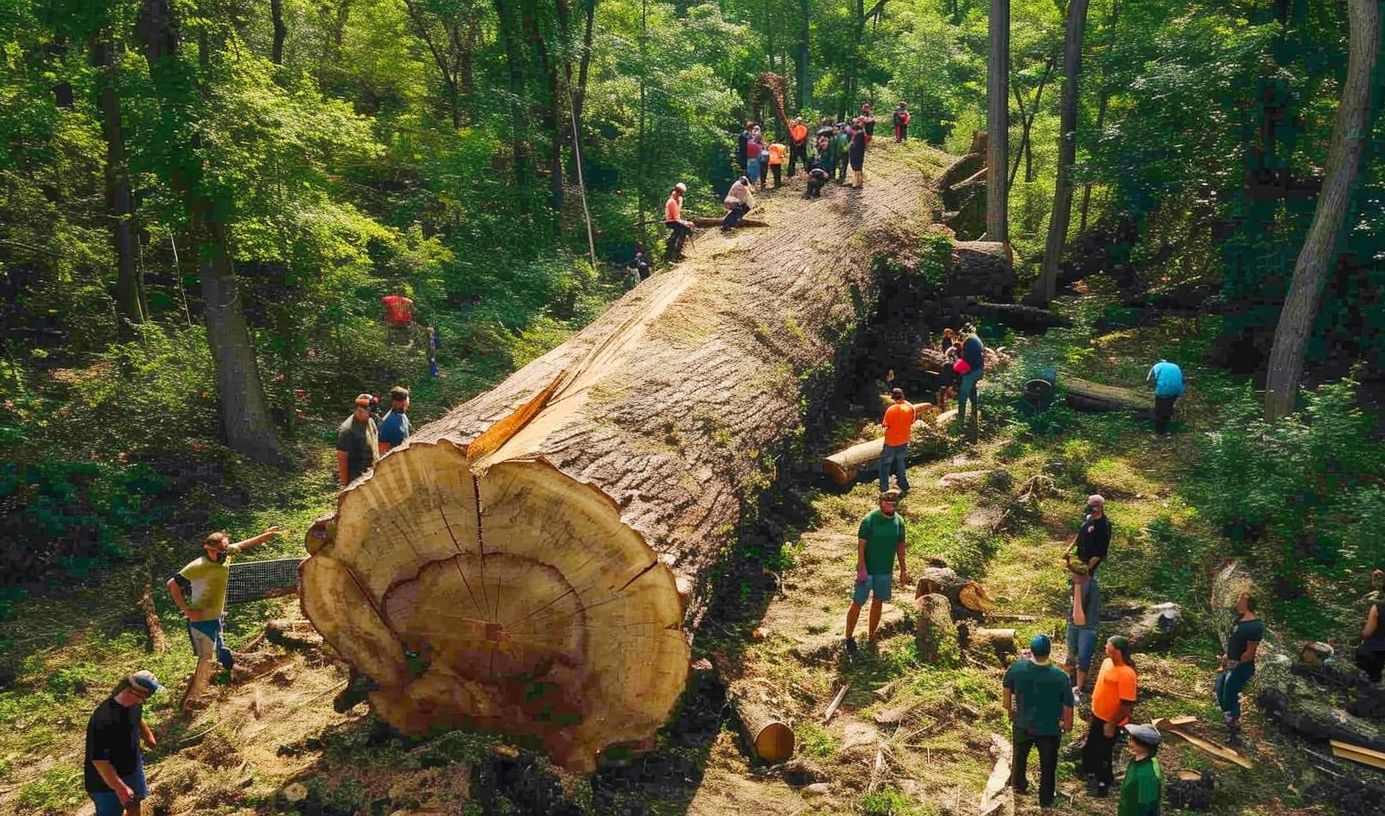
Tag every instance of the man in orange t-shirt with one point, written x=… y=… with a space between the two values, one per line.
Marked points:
x=898 y=422
x=673 y=219
x=1113 y=699
x=798 y=144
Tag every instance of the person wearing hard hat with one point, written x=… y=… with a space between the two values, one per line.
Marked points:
x=1039 y=701
x=679 y=229
x=1142 y=792
x=113 y=770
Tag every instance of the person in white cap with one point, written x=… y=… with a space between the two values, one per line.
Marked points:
x=1142 y=792
x=679 y=229
x=739 y=201
x=113 y=771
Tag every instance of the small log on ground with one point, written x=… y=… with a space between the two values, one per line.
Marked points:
x=969 y=598
x=715 y=221
x=961 y=169
x=934 y=632
x=1292 y=698
x=1084 y=395
x=998 y=799
x=766 y=736
x=158 y=642
x=527 y=564
x=845 y=466
x=993 y=643
x=1028 y=318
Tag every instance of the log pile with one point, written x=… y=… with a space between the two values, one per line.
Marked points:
x=528 y=564
x=932 y=361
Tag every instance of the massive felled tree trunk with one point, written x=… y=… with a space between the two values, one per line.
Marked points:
x=1349 y=134
x=998 y=121
x=240 y=394
x=1047 y=284
x=523 y=564
x=129 y=289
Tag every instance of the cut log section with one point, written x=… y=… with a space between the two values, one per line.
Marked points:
x=1084 y=395
x=934 y=633
x=1028 y=318
x=968 y=598
x=845 y=466
x=527 y=565
x=996 y=643
x=767 y=737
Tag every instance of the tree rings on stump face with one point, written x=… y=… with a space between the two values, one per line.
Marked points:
x=774 y=742
x=511 y=600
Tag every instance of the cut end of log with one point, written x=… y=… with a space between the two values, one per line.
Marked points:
x=774 y=742
x=514 y=601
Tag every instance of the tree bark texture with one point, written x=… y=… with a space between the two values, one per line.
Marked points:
x=1085 y=395
x=158 y=642
x=534 y=550
x=1349 y=134
x=998 y=120
x=967 y=597
x=935 y=634
x=766 y=736
x=1047 y=285
x=129 y=289
x=281 y=31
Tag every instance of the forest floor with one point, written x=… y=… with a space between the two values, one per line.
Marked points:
x=918 y=747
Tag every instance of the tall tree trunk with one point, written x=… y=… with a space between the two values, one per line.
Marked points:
x=1102 y=104
x=519 y=117
x=998 y=122
x=1349 y=134
x=281 y=31
x=579 y=97
x=804 y=95
x=1047 y=284
x=129 y=289
x=240 y=394
x=551 y=113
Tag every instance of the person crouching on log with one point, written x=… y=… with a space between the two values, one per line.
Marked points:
x=1112 y=701
x=879 y=540
x=1238 y=664
x=679 y=229
x=817 y=170
x=739 y=201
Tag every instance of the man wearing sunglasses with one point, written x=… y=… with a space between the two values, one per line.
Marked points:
x=113 y=772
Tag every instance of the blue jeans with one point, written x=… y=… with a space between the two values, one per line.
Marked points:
x=1229 y=685
x=108 y=804
x=966 y=390
x=1081 y=646
x=892 y=461
x=752 y=170
x=207 y=642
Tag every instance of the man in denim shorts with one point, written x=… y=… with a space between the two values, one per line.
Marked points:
x=1083 y=611
x=880 y=539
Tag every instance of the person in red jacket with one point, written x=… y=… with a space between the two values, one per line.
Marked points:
x=798 y=144
x=901 y=122
x=399 y=316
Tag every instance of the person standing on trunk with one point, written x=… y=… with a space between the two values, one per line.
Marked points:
x=899 y=423
x=798 y=144
x=1238 y=664
x=880 y=539
x=857 y=155
x=974 y=355
x=113 y=771
x=1112 y=701
x=1168 y=387
x=776 y=163
x=739 y=201
x=1142 y=792
x=753 y=149
x=841 y=152
x=358 y=442
x=395 y=427
x=901 y=122
x=199 y=590
x=1039 y=701
x=679 y=229
x=741 y=142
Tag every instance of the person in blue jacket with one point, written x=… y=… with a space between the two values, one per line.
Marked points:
x=1168 y=387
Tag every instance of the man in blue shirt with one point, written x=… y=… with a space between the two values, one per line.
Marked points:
x=1168 y=387
x=395 y=427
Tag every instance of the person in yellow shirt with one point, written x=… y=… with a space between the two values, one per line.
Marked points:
x=199 y=590
x=898 y=422
x=776 y=162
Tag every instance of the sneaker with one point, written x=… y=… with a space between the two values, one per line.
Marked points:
x=851 y=646
x=1076 y=698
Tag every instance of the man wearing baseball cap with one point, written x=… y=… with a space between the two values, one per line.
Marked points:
x=1039 y=701
x=1142 y=792
x=113 y=771
x=879 y=540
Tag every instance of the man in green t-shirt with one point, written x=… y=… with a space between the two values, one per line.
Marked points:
x=199 y=590
x=1142 y=792
x=1039 y=701
x=878 y=540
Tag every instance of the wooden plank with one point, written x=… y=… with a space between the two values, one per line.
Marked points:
x=836 y=701
x=1360 y=749
x=1207 y=746
x=1343 y=750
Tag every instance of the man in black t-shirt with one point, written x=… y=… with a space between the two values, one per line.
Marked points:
x=1093 y=539
x=113 y=771
x=358 y=442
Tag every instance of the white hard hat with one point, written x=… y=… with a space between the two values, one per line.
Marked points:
x=681 y=187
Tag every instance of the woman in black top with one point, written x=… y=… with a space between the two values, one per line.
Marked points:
x=1370 y=655
x=1238 y=664
x=857 y=154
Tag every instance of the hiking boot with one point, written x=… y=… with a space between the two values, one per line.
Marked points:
x=851 y=646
